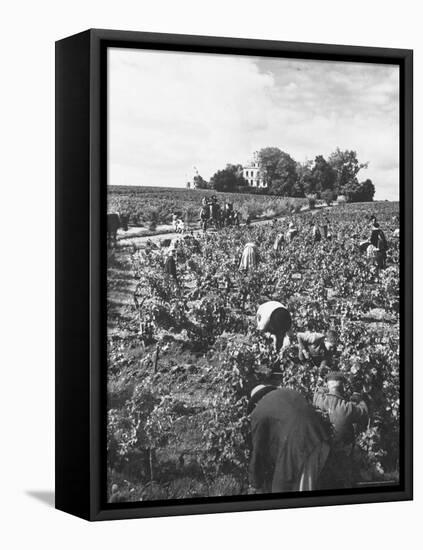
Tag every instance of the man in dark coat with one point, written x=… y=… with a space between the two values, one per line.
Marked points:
x=204 y=215
x=170 y=265
x=347 y=417
x=378 y=240
x=317 y=235
x=289 y=441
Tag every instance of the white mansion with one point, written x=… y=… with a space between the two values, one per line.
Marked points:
x=252 y=172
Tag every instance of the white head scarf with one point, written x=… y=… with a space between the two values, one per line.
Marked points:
x=265 y=311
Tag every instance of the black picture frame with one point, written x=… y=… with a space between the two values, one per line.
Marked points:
x=81 y=133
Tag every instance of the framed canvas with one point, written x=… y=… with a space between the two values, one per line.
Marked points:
x=233 y=274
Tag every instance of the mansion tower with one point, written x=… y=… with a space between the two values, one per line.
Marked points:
x=252 y=172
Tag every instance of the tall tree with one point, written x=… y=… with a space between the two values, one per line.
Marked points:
x=285 y=176
x=237 y=169
x=368 y=190
x=199 y=182
x=361 y=192
x=269 y=158
x=322 y=176
x=229 y=179
x=346 y=167
x=304 y=177
x=328 y=196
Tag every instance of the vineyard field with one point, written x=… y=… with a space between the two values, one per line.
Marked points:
x=183 y=355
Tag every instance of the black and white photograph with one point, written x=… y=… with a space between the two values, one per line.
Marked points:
x=209 y=313
x=253 y=275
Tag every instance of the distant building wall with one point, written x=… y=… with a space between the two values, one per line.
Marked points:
x=252 y=172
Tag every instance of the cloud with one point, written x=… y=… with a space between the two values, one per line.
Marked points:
x=171 y=111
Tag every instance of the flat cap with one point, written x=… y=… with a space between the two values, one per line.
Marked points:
x=336 y=375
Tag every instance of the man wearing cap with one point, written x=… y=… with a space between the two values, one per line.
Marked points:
x=346 y=418
x=379 y=242
x=289 y=441
x=316 y=346
x=204 y=216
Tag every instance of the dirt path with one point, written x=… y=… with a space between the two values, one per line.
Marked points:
x=135 y=238
x=139 y=241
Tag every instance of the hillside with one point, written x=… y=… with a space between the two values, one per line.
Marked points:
x=142 y=203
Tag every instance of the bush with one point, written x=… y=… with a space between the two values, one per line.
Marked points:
x=251 y=209
x=327 y=196
x=191 y=215
x=153 y=219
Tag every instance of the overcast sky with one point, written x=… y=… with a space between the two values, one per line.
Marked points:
x=171 y=111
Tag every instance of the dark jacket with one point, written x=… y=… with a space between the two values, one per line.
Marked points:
x=285 y=430
x=343 y=415
x=170 y=266
x=314 y=344
x=378 y=239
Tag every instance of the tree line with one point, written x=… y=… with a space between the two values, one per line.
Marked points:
x=320 y=178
